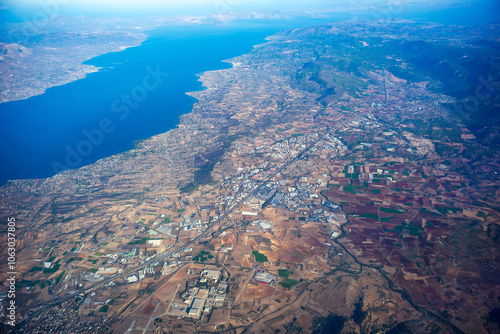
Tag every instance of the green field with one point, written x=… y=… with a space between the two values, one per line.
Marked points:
x=259 y=257
x=415 y=230
x=444 y=210
x=389 y=210
x=104 y=308
x=424 y=210
x=397 y=229
x=350 y=189
x=51 y=270
x=284 y=273
x=412 y=230
x=203 y=256
x=58 y=279
x=140 y=241
x=288 y=283
x=369 y=215
x=35 y=268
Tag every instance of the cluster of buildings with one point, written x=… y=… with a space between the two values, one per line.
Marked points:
x=201 y=295
x=265 y=277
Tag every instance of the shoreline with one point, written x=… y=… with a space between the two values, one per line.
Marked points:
x=224 y=65
x=65 y=78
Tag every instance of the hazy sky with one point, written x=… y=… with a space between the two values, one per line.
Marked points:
x=162 y=6
x=198 y=5
x=32 y=9
x=29 y=8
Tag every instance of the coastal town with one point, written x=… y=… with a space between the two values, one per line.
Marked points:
x=298 y=192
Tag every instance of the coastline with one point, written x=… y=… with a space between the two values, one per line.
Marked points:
x=141 y=147
x=223 y=65
x=17 y=91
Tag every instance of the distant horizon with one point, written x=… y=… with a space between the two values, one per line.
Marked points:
x=28 y=10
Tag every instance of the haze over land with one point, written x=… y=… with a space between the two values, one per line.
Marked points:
x=338 y=176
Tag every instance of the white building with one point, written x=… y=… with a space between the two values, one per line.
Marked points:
x=265 y=225
x=265 y=277
x=213 y=274
x=132 y=279
x=196 y=307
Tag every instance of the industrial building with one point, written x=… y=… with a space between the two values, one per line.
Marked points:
x=265 y=277
x=196 y=307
